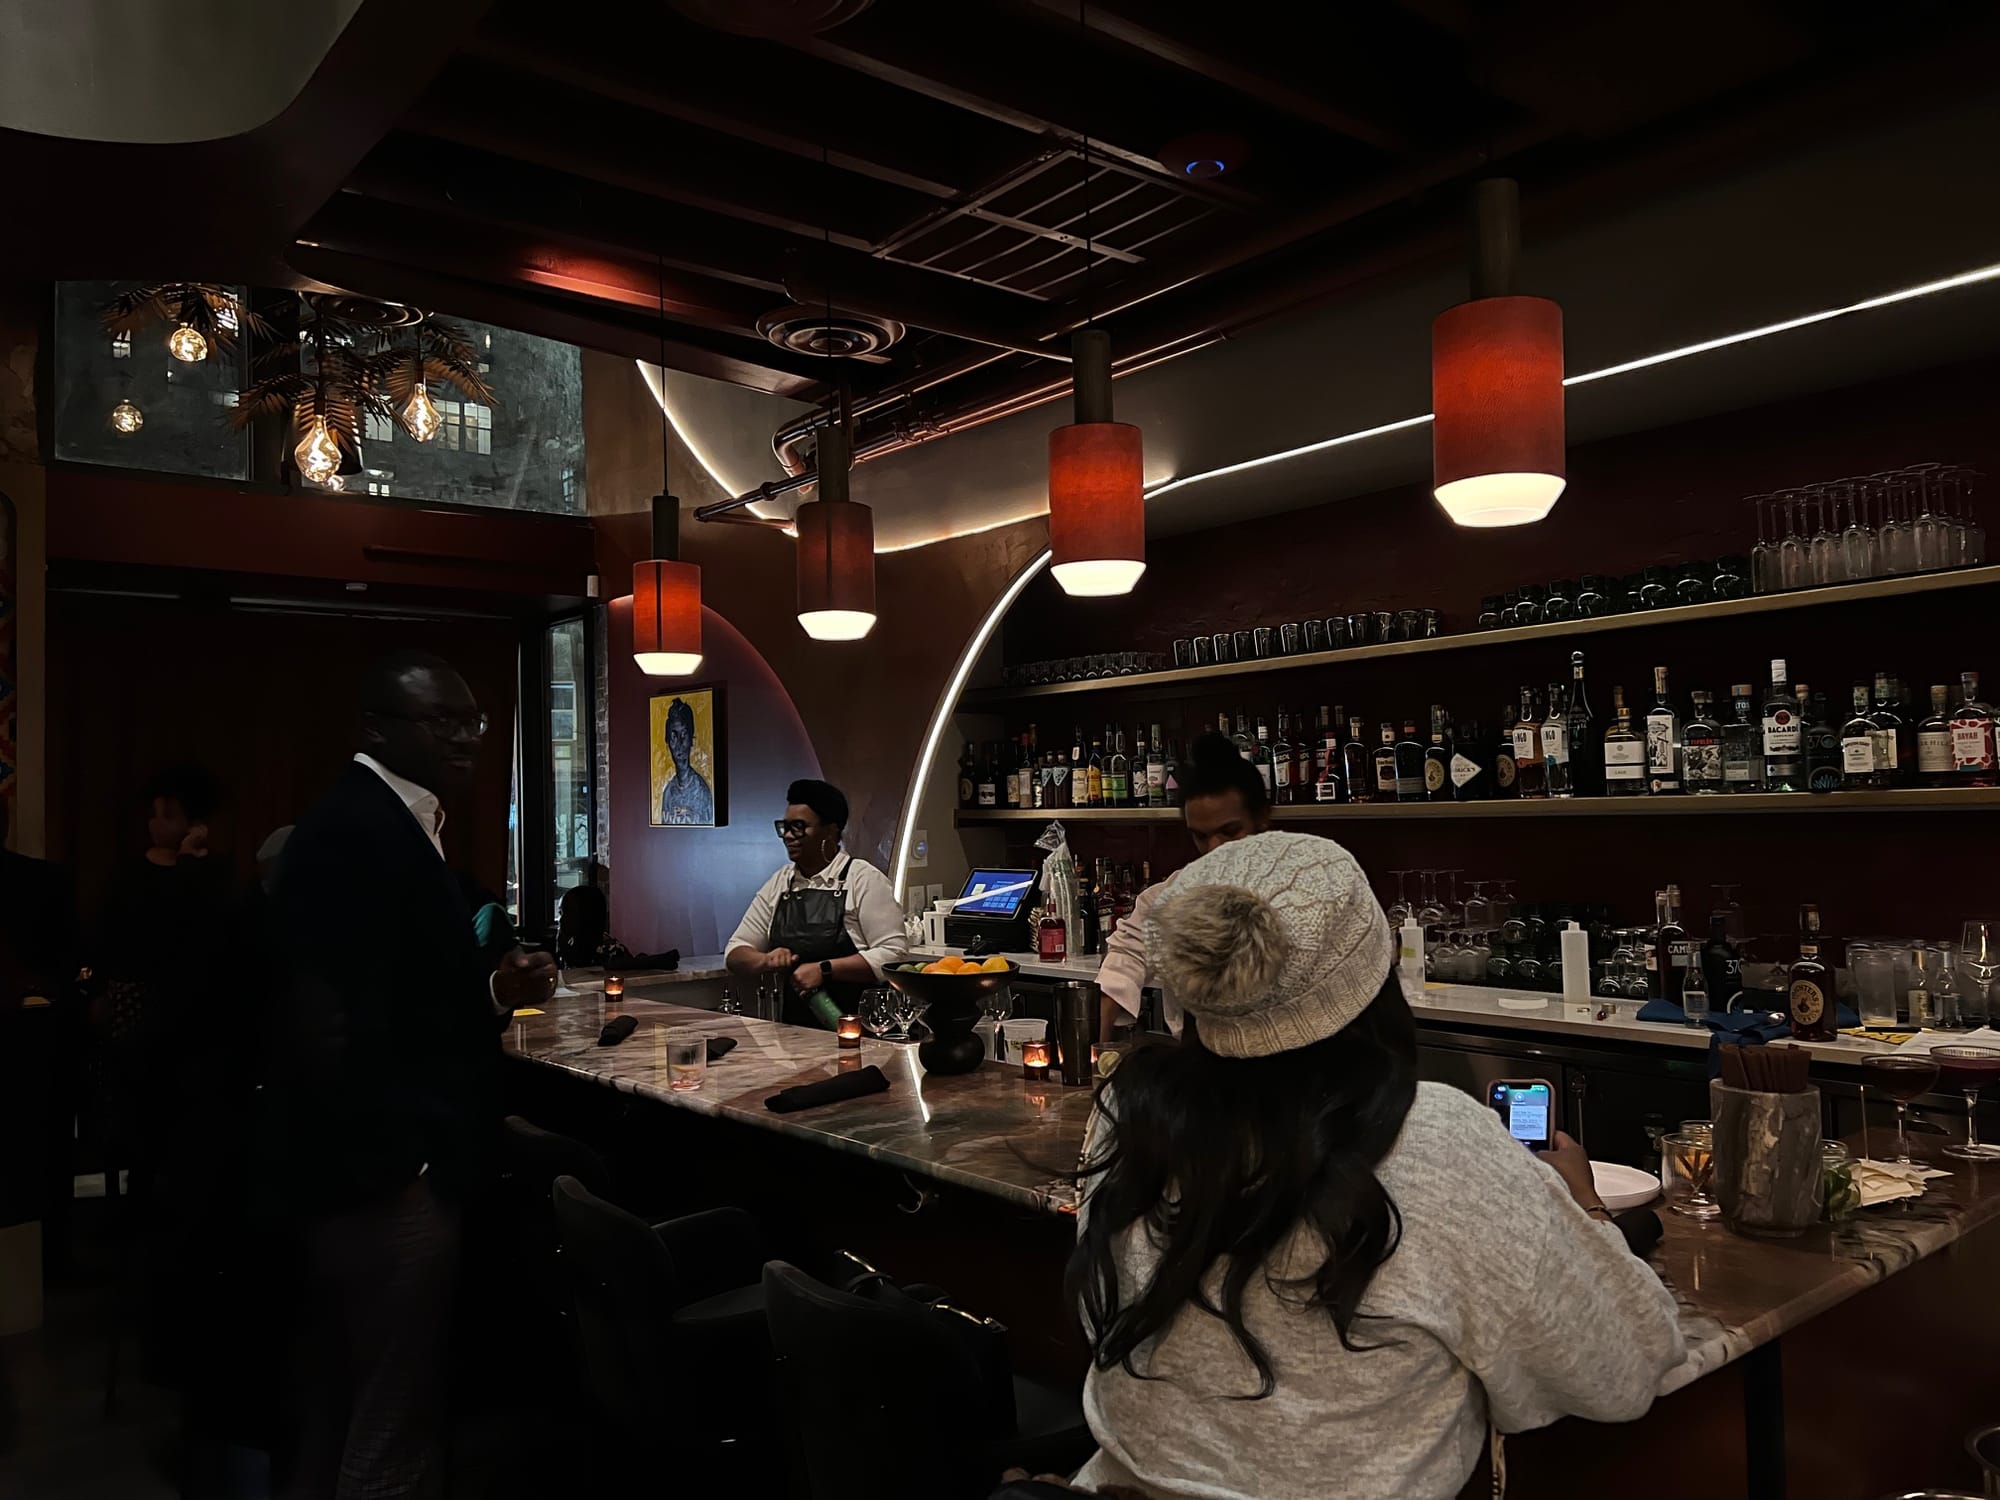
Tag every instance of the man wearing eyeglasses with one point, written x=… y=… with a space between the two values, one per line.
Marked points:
x=387 y=1086
x=826 y=920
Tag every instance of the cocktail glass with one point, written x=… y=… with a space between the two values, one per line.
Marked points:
x=1969 y=1069
x=1902 y=1078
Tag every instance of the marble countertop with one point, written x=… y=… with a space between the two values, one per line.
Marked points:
x=697 y=969
x=993 y=1133
x=988 y=1130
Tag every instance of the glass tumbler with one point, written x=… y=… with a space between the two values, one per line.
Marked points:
x=687 y=1059
x=1693 y=1159
x=1875 y=987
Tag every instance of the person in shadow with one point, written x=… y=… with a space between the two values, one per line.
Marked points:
x=387 y=1080
x=687 y=800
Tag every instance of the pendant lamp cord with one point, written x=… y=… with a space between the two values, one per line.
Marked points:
x=673 y=520
x=1089 y=249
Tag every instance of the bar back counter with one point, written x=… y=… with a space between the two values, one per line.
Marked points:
x=1849 y=1361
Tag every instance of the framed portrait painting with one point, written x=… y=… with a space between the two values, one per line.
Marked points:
x=686 y=756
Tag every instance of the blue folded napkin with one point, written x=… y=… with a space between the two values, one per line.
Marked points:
x=1745 y=1028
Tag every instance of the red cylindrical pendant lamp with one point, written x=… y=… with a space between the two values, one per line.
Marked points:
x=1097 y=501
x=836 y=550
x=666 y=601
x=1498 y=446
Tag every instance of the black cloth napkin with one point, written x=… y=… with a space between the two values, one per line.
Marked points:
x=856 y=1085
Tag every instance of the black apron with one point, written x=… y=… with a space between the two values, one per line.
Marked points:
x=812 y=923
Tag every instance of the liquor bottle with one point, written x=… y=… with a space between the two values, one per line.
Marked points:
x=1860 y=739
x=1742 y=744
x=968 y=777
x=1034 y=763
x=1663 y=739
x=1471 y=771
x=1172 y=772
x=1506 y=781
x=1128 y=893
x=1586 y=747
x=1245 y=746
x=1010 y=775
x=1260 y=757
x=1694 y=996
x=1674 y=950
x=1624 y=752
x=1306 y=759
x=1650 y=944
x=1822 y=741
x=1409 y=764
x=1107 y=902
x=1156 y=770
x=1784 y=736
x=1384 y=760
x=1093 y=771
x=989 y=778
x=1810 y=1000
x=1280 y=757
x=1117 y=770
x=1437 y=760
x=1530 y=767
x=1328 y=748
x=1328 y=788
x=1701 y=748
x=1357 y=774
x=1555 y=745
x=1934 y=742
x=1895 y=739
x=1079 y=771
x=1972 y=757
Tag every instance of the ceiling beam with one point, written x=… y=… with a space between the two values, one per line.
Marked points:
x=1203 y=61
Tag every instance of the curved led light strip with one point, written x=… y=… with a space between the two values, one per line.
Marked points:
x=656 y=382
x=947 y=705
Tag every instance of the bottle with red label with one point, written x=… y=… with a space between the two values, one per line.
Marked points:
x=1972 y=747
x=1052 y=940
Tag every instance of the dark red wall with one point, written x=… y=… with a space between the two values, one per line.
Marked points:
x=1651 y=497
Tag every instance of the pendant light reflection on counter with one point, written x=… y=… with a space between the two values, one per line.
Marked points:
x=836 y=550
x=1497 y=438
x=666 y=601
x=1097 y=503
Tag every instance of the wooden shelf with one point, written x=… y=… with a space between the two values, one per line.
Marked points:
x=1680 y=614
x=1900 y=800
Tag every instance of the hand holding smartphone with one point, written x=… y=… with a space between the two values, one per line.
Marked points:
x=1527 y=1107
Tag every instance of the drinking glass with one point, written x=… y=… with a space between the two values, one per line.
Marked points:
x=1978 y=969
x=1969 y=1069
x=1896 y=538
x=1825 y=545
x=1794 y=557
x=1763 y=556
x=1478 y=910
x=1972 y=536
x=1400 y=910
x=1930 y=532
x=1128 y=663
x=908 y=1010
x=687 y=1059
x=1857 y=541
x=1692 y=1156
x=1875 y=985
x=999 y=1004
x=878 y=1012
x=1902 y=1077
x=1429 y=913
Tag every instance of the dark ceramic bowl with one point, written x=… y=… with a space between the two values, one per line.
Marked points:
x=951 y=997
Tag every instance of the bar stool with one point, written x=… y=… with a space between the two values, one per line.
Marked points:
x=850 y=1368
x=670 y=1318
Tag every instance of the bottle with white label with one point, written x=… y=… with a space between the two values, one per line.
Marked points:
x=1859 y=741
x=1530 y=765
x=1555 y=745
x=1470 y=779
x=1934 y=741
x=1624 y=752
x=1663 y=739
x=1784 y=735
x=1972 y=743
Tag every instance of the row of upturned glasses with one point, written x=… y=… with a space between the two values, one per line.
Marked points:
x=1912 y=520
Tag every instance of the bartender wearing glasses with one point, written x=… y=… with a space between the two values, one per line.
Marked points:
x=826 y=920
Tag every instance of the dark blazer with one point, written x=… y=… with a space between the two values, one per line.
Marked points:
x=389 y=1055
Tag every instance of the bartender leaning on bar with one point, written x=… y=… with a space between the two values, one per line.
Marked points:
x=1223 y=799
x=827 y=920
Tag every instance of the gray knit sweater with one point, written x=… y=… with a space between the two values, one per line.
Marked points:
x=1504 y=1299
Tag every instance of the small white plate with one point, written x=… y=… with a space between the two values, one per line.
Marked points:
x=1623 y=1187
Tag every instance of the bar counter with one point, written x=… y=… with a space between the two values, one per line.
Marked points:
x=997 y=1136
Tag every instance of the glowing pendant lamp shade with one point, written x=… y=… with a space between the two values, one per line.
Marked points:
x=666 y=601
x=1498 y=450
x=1497 y=435
x=836 y=551
x=1097 y=502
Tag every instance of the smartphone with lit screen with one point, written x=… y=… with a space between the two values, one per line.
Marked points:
x=1526 y=1106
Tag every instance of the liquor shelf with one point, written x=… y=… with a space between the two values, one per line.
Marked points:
x=1679 y=614
x=1899 y=799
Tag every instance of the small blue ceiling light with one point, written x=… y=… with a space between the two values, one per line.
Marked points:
x=1203 y=155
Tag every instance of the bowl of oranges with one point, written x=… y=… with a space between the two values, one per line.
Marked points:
x=953 y=992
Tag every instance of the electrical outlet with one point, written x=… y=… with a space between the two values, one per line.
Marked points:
x=920 y=850
x=933 y=894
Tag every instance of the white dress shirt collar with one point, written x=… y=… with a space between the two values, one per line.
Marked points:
x=423 y=805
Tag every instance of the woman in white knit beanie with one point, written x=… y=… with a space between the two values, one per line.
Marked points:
x=1303 y=1273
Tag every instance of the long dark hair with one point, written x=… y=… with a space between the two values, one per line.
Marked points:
x=1221 y=1159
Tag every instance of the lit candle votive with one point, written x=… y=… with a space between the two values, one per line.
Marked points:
x=848 y=1029
x=614 y=987
x=1035 y=1061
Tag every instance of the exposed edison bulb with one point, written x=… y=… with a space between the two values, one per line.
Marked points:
x=127 y=418
x=187 y=345
x=318 y=454
x=420 y=417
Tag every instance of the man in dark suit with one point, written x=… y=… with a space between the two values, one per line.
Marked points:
x=388 y=1078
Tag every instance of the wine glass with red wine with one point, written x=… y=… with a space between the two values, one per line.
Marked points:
x=1902 y=1078
x=1969 y=1069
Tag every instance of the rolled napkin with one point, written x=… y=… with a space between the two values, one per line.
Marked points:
x=1888 y=1181
x=856 y=1085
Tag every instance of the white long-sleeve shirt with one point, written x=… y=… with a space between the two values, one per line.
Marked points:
x=1503 y=1300
x=1125 y=971
x=874 y=919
